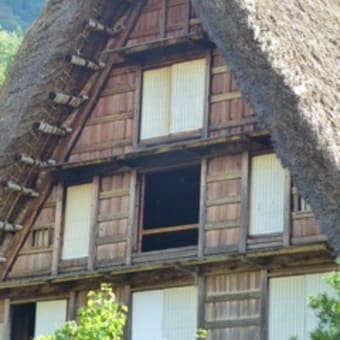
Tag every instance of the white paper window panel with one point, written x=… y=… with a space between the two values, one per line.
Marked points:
x=267 y=195
x=169 y=314
x=2 y=335
x=289 y=314
x=50 y=315
x=156 y=103
x=173 y=99
x=187 y=96
x=77 y=221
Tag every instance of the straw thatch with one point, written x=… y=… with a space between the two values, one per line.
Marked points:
x=285 y=57
x=40 y=67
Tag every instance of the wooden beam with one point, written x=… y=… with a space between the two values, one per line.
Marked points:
x=206 y=116
x=162 y=18
x=132 y=224
x=57 y=228
x=72 y=305
x=287 y=210
x=94 y=224
x=7 y=320
x=165 y=230
x=202 y=207
x=245 y=188
x=264 y=305
x=201 y=287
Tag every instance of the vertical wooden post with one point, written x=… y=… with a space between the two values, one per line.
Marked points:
x=187 y=18
x=208 y=75
x=244 y=218
x=141 y=214
x=287 y=210
x=162 y=19
x=132 y=225
x=57 y=228
x=201 y=301
x=138 y=109
x=264 y=305
x=7 y=320
x=93 y=226
x=128 y=302
x=72 y=305
x=202 y=213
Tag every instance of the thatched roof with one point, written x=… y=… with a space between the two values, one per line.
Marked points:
x=40 y=68
x=285 y=56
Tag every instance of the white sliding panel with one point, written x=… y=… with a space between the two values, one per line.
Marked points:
x=267 y=195
x=155 y=103
x=180 y=313
x=169 y=314
x=2 y=335
x=314 y=284
x=50 y=315
x=286 y=308
x=77 y=221
x=147 y=315
x=187 y=95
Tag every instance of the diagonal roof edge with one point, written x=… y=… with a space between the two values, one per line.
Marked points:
x=285 y=58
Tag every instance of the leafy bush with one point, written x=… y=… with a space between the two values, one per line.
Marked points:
x=102 y=318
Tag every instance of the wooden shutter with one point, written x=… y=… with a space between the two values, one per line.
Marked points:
x=171 y=314
x=50 y=315
x=187 y=95
x=77 y=221
x=155 y=103
x=267 y=195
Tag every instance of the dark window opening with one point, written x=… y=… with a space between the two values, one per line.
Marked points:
x=23 y=321
x=171 y=209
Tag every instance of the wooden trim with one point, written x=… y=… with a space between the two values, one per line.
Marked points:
x=302 y=214
x=186 y=21
x=309 y=239
x=239 y=123
x=138 y=105
x=163 y=17
x=132 y=225
x=110 y=118
x=287 y=213
x=201 y=287
x=112 y=217
x=222 y=225
x=34 y=251
x=242 y=295
x=72 y=306
x=264 y=308
x=164 y=230
x=93 y=223
x=224 y=201
x=239 y=322
x=225 y=97
x=219 y=69
x=111 y=239
x=206 y=114
x=114 y=193
x=202 y=207
x=245 y=191
x=58 y=228
x=7 y=320
x=141 y=214
x=224 y=176
x=117 y=90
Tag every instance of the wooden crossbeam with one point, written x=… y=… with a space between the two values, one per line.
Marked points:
x=67 y=99
x=10 y=185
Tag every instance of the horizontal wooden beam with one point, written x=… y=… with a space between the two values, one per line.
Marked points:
x=165 y=230
x=10 y=185
x=23 y=158
x=83 y=62
x=50 y=129
x=67 y=99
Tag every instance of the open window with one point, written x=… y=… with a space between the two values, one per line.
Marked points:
x=169 y=209
x=36 y=319
x=173 y=100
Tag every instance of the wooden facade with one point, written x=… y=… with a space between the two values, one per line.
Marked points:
x=230 y=266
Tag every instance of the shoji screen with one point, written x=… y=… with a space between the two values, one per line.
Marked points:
x=156 y=103
x=267 y=195
x=187 y=96
x=289 y=314
x=50 y=315
x=77 y=221
x=169 y=314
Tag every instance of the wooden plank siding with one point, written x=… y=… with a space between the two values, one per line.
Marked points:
x=222 y=230
x=35 y=258
x=233 y=305
x=113 y=219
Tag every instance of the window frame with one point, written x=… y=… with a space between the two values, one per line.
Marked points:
x=180 y=136
x=141 y=178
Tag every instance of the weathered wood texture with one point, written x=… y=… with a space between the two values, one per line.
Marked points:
x=229 y=113
x=113 y=219
x=232 y=306
x=35 y=258
x=223 y=203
